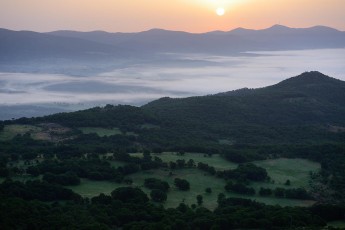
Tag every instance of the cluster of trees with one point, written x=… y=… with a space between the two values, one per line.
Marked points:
x=158 y=188
x=145 y=163
x=154 y=183
x=239 y=188
x=182 y=184
x=207 y=168
x=181 y=163
x=265 y=192
x=245 y=172
x=293 y=193
x=124 y=117
x=37 y=190
x=158 y=195
x=94 y=169
x=129 y=208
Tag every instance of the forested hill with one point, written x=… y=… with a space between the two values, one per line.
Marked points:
x=310 y=98
x=303 y=109
x=295 y=110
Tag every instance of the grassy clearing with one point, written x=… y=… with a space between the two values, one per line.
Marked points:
x=295 y=170
x=11 y=131
x=89 y=188
x=102 y=132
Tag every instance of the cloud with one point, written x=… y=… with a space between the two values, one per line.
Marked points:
x=140 y=83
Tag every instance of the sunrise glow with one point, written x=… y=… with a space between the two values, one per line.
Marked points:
x=220 y=11
x=183 y=15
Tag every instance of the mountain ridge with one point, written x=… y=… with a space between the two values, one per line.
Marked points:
x=222 y=41
x=161 y=29
x=24 y=46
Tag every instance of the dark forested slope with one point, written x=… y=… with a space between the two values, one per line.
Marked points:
x=310 y=101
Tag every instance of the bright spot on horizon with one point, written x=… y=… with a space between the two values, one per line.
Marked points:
x=220 y=11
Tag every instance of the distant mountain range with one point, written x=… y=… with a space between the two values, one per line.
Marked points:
x=24 y=45
x=277 y=37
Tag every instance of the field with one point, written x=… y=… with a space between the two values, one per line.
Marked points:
x=11 y=131
x=45 y=131
x=296 y=170
x=89 y=188
x=102 y=132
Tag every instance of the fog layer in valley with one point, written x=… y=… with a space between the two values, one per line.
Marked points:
x=174 y=75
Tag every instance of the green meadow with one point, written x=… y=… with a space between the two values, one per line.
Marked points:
x=296 y=170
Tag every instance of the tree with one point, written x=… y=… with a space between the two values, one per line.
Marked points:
x=239 y=188
x=182 y=184
x=181 y=153
x=251 y=172
x=220 y=198
x=154 y=183
x=208 y=190
x=288 y=183
x=199 y=199
x=158 y=195
x=190 y=163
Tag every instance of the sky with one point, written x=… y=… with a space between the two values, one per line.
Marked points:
x=195 y=16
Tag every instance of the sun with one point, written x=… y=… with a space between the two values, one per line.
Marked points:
x=220 y=11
